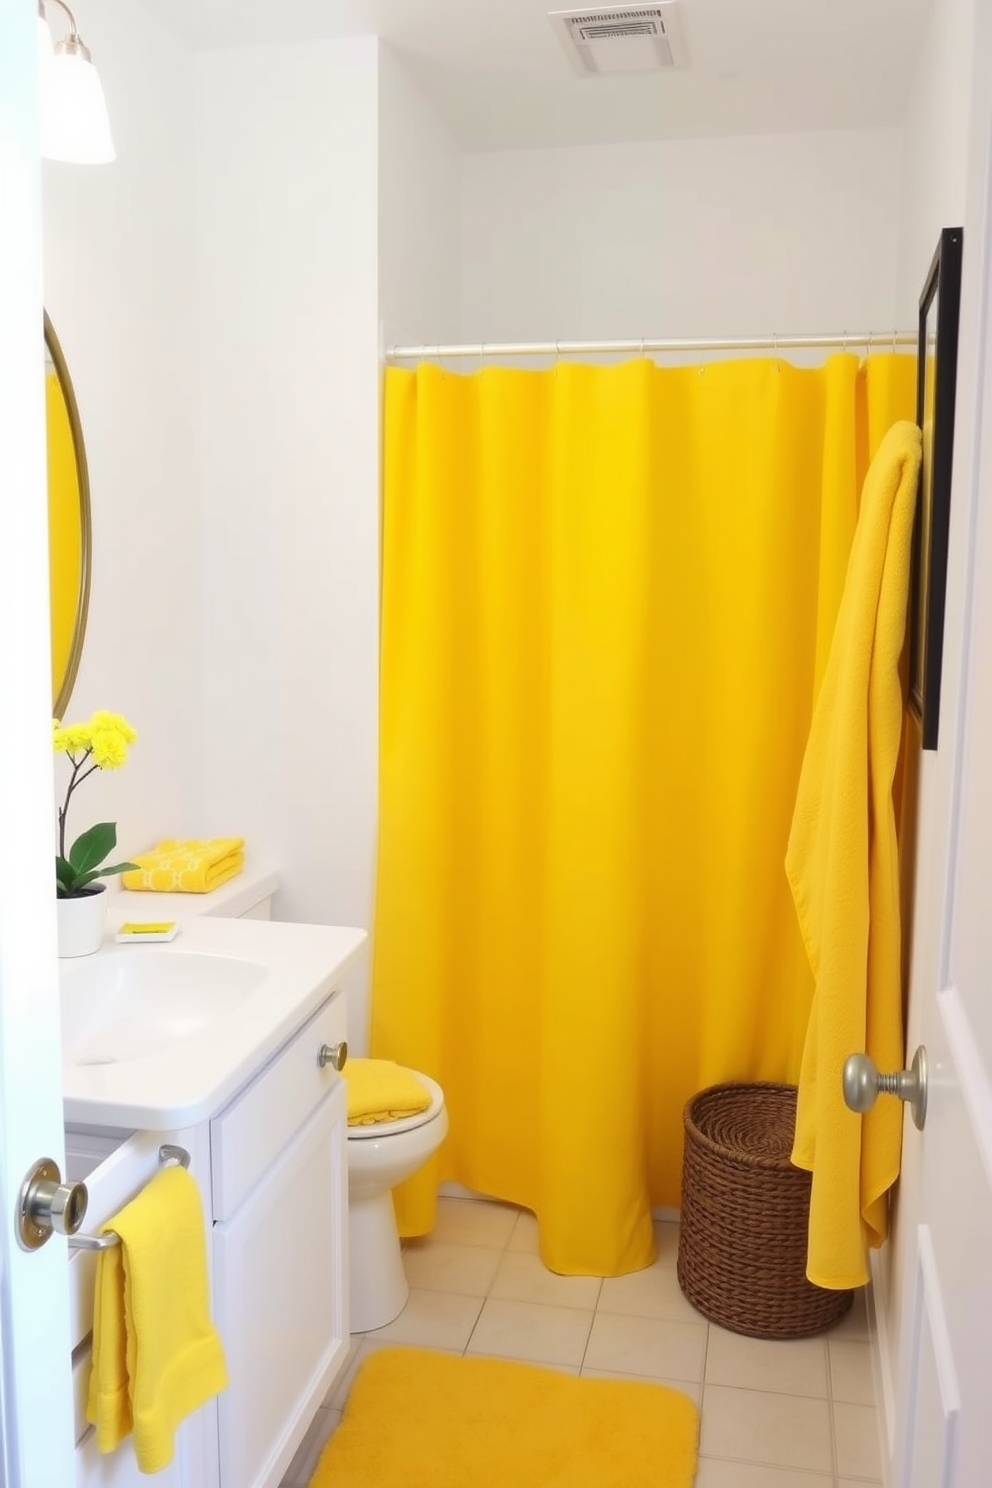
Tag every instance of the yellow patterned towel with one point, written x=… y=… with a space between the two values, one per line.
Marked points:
x=379 y=1090
x=188 y=865
x=156 y=1354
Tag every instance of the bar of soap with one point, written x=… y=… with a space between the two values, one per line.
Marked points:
x=131 y=932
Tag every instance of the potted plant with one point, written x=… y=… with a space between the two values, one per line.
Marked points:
x=100 y=744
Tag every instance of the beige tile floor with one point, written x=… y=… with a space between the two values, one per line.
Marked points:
x=773 y=1415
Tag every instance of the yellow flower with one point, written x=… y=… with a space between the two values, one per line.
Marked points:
x=71 y=739
x=104 y=720
x=109 y=748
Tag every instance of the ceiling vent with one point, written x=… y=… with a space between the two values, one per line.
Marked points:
x=627 y=38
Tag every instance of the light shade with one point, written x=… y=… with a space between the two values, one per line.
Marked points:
x=75 y=126
x=46 y=48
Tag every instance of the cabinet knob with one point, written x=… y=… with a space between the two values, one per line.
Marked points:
x=333 y=1054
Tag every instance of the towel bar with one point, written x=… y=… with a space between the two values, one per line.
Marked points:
x=166 y=1153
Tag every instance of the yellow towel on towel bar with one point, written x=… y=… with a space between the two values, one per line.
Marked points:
x=842 y=866
x=156 y=1354
x=379 y=1090
x=187 y=865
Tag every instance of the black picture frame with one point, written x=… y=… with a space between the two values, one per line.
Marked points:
x=936 y=379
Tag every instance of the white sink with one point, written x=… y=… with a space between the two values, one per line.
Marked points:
x=158 y=1037
x=127 y=1004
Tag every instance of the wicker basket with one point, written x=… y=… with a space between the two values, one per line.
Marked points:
x=745 y=1216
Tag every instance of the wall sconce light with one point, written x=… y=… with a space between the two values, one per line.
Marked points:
x=74 y=123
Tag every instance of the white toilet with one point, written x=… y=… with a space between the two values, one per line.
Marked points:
x=379 y=1157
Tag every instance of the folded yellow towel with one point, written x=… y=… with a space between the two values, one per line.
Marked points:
x=188 y=865
x=379 y=1090
x=842 y=865
x=156 y=1354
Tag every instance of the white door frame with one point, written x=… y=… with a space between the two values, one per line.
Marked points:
x=36 y=1431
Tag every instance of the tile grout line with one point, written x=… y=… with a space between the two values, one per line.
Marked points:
x=504 y=1251
x=595 y=1315
x=779 y=1467
x=592 y=1324
x=482 y=1302
x=755 y=1389
x=830 y=1415
x=702 y=1382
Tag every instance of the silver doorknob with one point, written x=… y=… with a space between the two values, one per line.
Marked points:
x=333 y=1054
x=862 y=1083
x=47 y=1206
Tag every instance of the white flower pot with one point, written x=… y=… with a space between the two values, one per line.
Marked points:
x=81 y=921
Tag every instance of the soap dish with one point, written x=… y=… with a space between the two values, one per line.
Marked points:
x=131 y=933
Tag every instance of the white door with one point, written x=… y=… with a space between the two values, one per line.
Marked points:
x=35 y=1405
x=944 y=1423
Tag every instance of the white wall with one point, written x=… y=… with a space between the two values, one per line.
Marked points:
x=287 y=231
x=419 y=279
x=935 y=146
x=328 y=200
x=420 y=198
x=119 y=266
x=687 y=238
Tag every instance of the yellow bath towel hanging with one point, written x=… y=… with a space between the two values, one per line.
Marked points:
x=842 y=866
x=156 y=1354
x=379 y=1090
x=186 y=865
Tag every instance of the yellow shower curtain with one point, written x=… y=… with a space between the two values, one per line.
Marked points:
x=607 y=600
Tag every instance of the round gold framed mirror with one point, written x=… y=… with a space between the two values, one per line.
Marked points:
x=69 y=526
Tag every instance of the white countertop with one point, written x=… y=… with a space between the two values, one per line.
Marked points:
x=231 y=899
x=189 y=1079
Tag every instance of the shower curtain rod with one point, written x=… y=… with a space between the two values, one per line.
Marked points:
x=880 y=340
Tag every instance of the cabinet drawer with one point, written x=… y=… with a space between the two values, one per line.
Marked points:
x=251 y=1132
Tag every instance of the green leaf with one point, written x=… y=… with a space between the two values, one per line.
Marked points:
x=65 y=876
x=81 y=883
x=84 y=878
x=89 y=850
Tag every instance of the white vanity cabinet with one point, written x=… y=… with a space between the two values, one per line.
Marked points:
x=272 y=1169
x=280 y=1193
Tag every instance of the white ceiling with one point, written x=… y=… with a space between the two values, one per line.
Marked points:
x=499 y=77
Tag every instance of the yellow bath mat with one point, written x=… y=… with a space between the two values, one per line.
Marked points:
x=420 y=1419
